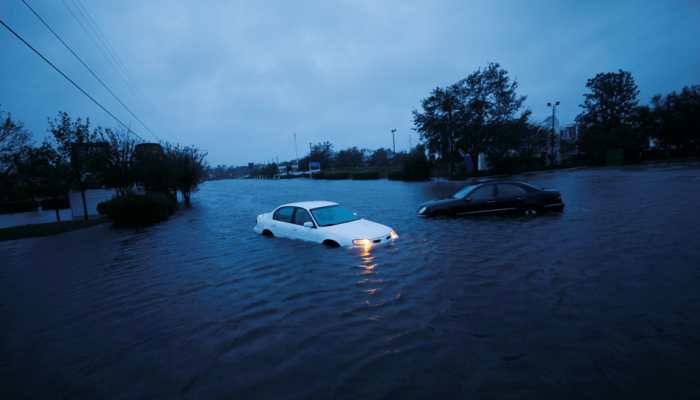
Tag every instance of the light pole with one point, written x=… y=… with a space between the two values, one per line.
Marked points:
x=296 y=153
x=393 y=139
x=554 y=110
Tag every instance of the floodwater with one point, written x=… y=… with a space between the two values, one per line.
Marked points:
x=602 y=301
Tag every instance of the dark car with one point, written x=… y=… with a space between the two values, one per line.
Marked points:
x=495 y=197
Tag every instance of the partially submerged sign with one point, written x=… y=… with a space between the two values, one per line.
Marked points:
x=314 y=166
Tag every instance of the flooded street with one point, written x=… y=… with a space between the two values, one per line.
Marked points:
x=600 y=301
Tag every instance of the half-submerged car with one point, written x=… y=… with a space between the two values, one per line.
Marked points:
x=323 y=222
x=495 y=197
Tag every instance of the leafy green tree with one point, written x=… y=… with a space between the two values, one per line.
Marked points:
x=188 y=167
x=349 y=158
x=472 y=116
x=490 y=109
x=415 y=165
x=45 y=173
x=152 y=170
x=608 y=116
x=438 y=122
x=74 y=141
x=320 y=152
x=380 y=158
x=119 y=171
x=13 y=138
x=676 y=118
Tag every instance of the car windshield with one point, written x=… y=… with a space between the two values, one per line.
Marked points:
x=464 y=192
x=333 y=215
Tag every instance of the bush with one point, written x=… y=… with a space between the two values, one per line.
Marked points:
x=134 y=209
x=416 y=167
x=332 y=175
x=395 y=176
x=366 y=175
x=516 y=164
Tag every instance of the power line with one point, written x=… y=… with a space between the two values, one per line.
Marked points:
x=104 y=85
x=101 y=37
x=18 y=36
x=98 y=45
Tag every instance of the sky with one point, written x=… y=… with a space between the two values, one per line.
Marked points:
x=238 y=78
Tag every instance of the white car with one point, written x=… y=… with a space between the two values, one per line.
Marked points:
x=323 y=222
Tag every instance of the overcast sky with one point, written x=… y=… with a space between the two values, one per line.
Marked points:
x=237 y=79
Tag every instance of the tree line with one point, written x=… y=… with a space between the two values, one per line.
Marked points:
x=483 y=114
x=76 y=156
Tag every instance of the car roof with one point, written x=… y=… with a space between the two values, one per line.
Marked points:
x=496 y=181
x=310 y=204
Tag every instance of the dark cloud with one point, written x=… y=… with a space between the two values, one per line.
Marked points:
x=238 y=78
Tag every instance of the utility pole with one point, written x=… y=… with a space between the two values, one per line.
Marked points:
x=296 y=153
x=393 y=139
x=310 y=150
x=552 y=155
x=410 y=142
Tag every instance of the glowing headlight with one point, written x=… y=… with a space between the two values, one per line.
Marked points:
x=422 y=210
x=393 y=235
x=362 y=242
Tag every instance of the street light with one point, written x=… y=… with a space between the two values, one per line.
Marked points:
x=393 y=139
x=552 y=158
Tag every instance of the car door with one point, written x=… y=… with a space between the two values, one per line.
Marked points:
x=282 y=225
x=300 y=231
x=510 y=197
x=480 y=200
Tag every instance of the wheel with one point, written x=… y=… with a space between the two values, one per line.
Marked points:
x=267 y=233
x=530 y=211
x=330 y=243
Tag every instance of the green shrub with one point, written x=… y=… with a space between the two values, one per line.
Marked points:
x=332 y=175
x=134 y=209
x=367 y=175
x=415 y=166
x=395 y=176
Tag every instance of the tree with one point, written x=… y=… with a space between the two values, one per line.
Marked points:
x=415 y=165
x=379 y=158
x=437 y=123
x=45 y=173
x=188 y=167
x=349 y=158
x=489 y=107
x=73 y=139
x=151 y=169
x=13 y=138
x=119 y=172
x=321 y=153
x=607 y=119
x=676 y=118
x=469 y=115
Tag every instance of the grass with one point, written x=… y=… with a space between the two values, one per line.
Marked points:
x=53 y=228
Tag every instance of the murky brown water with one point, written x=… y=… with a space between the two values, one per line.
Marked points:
x=602 y=301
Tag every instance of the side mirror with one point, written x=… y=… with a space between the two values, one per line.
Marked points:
x=467 y=199
x=309 y=224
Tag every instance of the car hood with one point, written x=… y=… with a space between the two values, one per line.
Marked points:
x=440 y=203
x=360 y=229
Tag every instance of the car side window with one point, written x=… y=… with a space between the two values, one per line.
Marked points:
x=483 y=193
x=301 y=216
x=508 y=191
x=284 y=214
